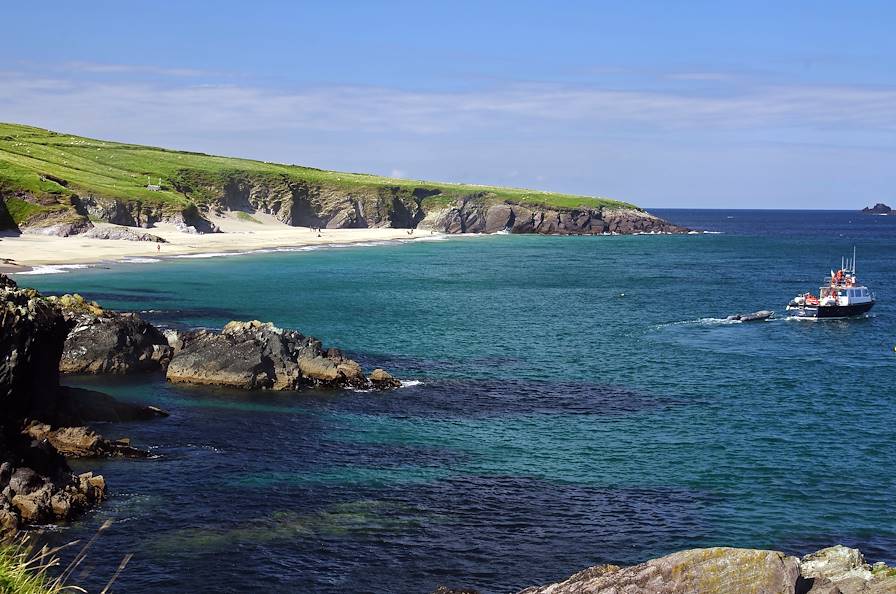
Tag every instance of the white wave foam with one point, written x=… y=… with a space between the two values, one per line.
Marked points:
x=54 y=268
x=410 y=383
x=208 y=255
x=140 y=260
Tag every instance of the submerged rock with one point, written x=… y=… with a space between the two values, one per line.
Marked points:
x=256 y=355
x=102 y=341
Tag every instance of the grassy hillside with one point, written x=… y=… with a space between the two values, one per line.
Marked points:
x=51 y=167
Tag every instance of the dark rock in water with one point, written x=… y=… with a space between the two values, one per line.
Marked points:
x=255 y=355
x=752 y=317
x=383 y=380
x=122 y=233
x=447 y=590
x=878 y=208
x=102 y=341
x=79 y=406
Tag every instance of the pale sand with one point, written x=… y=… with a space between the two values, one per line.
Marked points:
x=237 y=236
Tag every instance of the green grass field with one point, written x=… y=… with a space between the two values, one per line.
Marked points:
x=53 y=166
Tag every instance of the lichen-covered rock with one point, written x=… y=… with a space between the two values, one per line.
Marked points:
x=103 y=341
x=841 y=570
x=256 y=355
x=707 y=571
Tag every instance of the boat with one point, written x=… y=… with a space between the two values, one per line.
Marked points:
x=842 y=297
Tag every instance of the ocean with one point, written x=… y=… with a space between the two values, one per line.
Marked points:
x=569 y=401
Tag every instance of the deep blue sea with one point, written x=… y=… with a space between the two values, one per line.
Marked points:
x=580 y=401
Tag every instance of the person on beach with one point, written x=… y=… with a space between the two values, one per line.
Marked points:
x=158 y=247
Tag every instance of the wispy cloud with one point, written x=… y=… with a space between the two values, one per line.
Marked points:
x=105 y=68
x=234 y=108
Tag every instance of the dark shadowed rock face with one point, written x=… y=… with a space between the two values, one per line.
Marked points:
x=255 y=355
x=32 y=332
x=103 y=341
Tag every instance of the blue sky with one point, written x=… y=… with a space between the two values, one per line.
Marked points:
x=666 y=104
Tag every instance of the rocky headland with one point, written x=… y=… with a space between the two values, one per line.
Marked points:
x=723 y=570
x=189 y=190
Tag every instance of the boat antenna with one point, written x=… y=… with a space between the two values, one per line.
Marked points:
x=853 y=260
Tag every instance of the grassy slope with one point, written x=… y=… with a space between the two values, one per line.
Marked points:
x=30 y=157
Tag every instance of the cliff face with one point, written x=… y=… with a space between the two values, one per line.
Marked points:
x=478 y=215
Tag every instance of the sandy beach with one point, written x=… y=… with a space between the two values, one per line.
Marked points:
x=22 y=253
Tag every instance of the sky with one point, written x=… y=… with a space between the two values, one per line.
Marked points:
x=665 y=104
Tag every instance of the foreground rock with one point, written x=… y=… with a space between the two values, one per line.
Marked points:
x=102 y=341
x=255 y=355
x=36 y=484
x=723 y=570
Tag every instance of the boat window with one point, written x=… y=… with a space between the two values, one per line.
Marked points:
x=843 y=292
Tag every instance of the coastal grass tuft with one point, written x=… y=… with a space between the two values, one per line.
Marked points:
x=25 y=571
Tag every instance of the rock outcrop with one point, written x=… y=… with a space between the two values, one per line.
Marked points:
x=81 y=442
x=124 y=233
x=36 y=484
x=879 y=209
x=102 y=341
x=721 y=570
x=255 y=355
x=476 y=215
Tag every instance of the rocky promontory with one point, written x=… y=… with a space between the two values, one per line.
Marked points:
x=103 y=341
x=41 y=197
x=256 y=355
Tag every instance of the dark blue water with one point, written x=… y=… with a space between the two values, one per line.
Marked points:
x=581 y=402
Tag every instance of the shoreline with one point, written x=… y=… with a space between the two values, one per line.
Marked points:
x=29 y=253
x=32 y=253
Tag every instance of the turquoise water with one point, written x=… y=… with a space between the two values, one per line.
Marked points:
x=581 y=402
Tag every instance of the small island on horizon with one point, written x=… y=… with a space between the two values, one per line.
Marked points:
x=878 y=209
